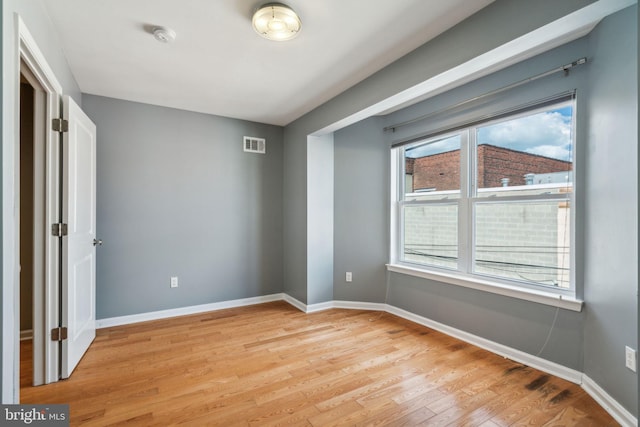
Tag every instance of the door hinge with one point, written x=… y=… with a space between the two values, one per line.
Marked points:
x=60 y=125
x=59 y=230
x=59 y=334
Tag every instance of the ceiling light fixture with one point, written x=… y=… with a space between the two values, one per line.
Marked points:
x=276 y=21
x=164 y=34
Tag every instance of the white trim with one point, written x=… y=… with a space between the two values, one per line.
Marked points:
x=314 y=308
x=294 y=302
x=499 y=349
x=46 y=353
x=397 y=187
x=18 y=45
x=605 y=400
x=34 y=57
x=10 y=276
x=349 y=305
x=541 y=297
x=185 y=311
x=356 y=305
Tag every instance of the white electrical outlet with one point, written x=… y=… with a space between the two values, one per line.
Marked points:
x=630 y=358
x=348 y=276
x=174 y=282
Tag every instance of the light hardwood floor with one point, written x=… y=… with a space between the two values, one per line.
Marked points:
x=270 y=364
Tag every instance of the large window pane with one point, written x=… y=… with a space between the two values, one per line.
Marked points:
x=530 y=154
x=431 y=235
x=524 y=241
x=432 y=169
x=501 y=189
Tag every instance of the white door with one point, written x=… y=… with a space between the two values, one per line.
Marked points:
x=78 y=297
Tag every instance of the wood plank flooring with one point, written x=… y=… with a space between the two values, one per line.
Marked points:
x=272 y=365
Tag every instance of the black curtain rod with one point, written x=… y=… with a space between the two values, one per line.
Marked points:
x=532 y=105
x=564 y=68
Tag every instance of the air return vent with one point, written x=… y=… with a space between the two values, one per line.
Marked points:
x=255 y=145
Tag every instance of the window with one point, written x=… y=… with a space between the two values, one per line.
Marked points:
x=491 y=201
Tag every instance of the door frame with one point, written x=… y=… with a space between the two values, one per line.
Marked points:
x=46 y=295
x=39 y=238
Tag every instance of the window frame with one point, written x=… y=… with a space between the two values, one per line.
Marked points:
x=467 y=202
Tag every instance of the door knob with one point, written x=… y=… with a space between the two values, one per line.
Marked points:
x=97 y=242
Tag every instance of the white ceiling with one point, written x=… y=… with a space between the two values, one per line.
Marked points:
x=219 y=65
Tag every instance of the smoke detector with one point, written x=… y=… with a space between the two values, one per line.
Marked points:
x=164 y=34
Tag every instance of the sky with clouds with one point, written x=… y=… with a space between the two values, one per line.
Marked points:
x=546 y=134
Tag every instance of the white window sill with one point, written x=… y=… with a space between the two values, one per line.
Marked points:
x=538 y=296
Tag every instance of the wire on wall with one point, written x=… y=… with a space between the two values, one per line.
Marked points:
x=553 y=324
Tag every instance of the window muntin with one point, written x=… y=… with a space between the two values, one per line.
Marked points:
x=515 y=231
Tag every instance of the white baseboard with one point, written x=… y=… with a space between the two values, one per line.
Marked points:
x=311 y=308
x=494 y=347
x=620 y=414
x=500 y=349
x=27 y=334
x=356 y=305
x=350 y=305
x=184 y=311
x=616 y=410
x=296 y=303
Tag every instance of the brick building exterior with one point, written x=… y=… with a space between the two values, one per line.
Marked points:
x=441 y=172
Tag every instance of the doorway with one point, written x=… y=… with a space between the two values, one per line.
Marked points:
x=31 y=226
x=27 y=93
x=60 y=224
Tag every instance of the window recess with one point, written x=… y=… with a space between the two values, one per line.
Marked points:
x=491 y=199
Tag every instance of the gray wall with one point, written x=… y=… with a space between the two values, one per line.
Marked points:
x=361 y=232
x=34 y=15
x=177 y=196
x=516 y=323
x=606 y=189
x=611 y=228
x=295 y=211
